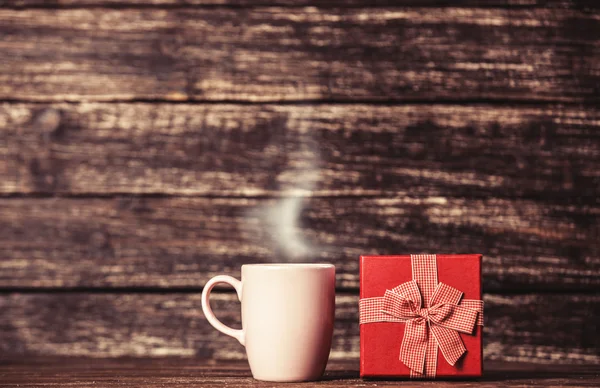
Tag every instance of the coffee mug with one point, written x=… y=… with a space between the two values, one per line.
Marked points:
x=287 y=318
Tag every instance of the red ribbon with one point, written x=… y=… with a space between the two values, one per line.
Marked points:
x=434 y=315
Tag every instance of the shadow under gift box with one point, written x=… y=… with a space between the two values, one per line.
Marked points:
x=380 y=341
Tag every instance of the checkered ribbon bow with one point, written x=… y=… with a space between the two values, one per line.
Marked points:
x=444 y=319
x=434 y=315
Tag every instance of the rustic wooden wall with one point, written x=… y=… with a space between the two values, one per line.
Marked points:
x=148 y=145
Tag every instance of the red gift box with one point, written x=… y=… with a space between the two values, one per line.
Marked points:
x=389 y=302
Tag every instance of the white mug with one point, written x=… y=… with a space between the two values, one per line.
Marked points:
x=287 y=318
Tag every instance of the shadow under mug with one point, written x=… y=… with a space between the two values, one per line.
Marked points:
x=287 y=318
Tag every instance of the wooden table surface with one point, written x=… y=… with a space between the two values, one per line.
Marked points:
x=188 y=372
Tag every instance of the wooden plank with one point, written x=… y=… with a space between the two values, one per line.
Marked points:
x=181 y=242
x=547 y=328
x=295 y=3
x=178 y=372
x=325 y=150
x=272 y=54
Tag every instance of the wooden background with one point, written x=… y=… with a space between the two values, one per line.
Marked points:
x=151 y=144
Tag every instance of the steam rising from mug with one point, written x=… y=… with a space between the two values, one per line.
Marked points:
x=281 y=219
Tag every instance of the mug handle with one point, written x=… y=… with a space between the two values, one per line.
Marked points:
x=208 y=313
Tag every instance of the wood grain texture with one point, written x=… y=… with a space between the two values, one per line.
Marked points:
x=181 y=242
x=586 y=4
x=520 y=328
x=272 y=54
x=327 y=150
x=181 y=372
